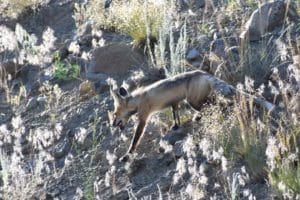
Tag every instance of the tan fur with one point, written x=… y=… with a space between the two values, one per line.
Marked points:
x=192 y=86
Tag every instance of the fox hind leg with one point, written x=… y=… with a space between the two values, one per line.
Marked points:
x=176 y=117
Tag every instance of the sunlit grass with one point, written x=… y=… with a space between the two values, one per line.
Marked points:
x=15 y=7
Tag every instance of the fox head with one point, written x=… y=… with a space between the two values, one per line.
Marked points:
x=122 y=110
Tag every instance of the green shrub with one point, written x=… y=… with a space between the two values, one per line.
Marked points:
x=64 y=71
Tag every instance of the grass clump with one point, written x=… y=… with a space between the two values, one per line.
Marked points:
x=138 y=19
x=283 y=160
x=16 y=7
x=64 y=71
x=246 y=139
x=234 y=5
x=251 y=148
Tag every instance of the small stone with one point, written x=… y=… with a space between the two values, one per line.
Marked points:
x=53 y=193
x=41 y=99
x=192 y=54
x=173 y=136
x=32 y=103
x=122 y=194
x=178 y=149
x=87 y=90
x=61 y=149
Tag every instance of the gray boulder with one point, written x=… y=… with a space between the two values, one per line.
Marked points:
x=266 y=18
x=115 y=60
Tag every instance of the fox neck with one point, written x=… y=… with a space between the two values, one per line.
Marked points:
x=133 y=104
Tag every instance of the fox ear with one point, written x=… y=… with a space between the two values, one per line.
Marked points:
x=123 y=92
x=114 y=94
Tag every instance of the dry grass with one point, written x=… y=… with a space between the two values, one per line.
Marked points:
x=138 y=19
x=16 y=7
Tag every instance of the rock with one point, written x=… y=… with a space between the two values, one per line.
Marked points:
x=41 y=99
x=101 y=86
x=166 y=181
x=107 y=3
x=183 y=4
x=85 y=29
x=196 y=63
x=61 y=149
x=266 y=18
x=121 y=194
x=199 y=4
x=192 y=54
x=137 y=165
x=223 y=19
x=173 y=136
x=115 y=59
x=218 y=46
x=233 y=54
x=97 y=77
x=165 y=159
x=87 y=90
x=32 y=103
x=53 y=193
x=26 y=149
x=9 y=67
x=63 y=51
x=223 y=58
x=203 y=43
x=76 y=60
x=294 y=106
x=242 y=3
x=178 y=151
x=86 y=40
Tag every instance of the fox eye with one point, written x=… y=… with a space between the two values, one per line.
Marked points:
x=123 y=92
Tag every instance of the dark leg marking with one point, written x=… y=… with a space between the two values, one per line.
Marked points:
x=176 y=117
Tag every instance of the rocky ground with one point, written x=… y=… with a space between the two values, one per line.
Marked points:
x=56 y=138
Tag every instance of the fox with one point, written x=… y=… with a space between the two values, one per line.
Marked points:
x=193 y=86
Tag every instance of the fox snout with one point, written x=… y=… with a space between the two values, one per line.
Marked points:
x=115 y=121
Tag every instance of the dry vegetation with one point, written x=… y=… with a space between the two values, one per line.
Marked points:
x=242 y=143
x=13 y=8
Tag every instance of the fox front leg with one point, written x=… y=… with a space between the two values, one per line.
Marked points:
x=136 y=139
x=137 y=136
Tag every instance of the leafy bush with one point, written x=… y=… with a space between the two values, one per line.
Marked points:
x=64 y=71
